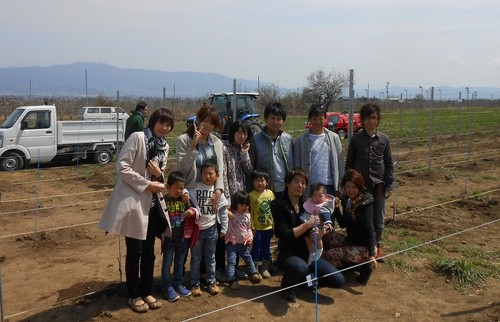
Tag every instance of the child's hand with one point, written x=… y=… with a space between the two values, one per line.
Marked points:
x=328 y=227
x=221 y=235
x=188 y=213
x=230 y=215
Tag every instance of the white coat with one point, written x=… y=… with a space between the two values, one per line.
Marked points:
x=127 y=210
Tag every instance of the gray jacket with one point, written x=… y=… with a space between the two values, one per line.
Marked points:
x=302 y=154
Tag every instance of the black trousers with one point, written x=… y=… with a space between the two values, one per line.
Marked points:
x=140 y=260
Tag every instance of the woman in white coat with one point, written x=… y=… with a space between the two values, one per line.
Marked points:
x=136 y=208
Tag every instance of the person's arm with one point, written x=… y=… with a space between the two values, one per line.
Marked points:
x=350 y=160
x=282 y=224
x=184 y=154
x=388 y=170
x=367 y=222
x=124 y=165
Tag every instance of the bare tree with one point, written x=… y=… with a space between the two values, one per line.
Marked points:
x=324 y=88
x=267 y=94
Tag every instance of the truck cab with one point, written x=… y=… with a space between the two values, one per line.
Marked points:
x=28 y=131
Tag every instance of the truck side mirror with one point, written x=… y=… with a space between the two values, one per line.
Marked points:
x=24 y=125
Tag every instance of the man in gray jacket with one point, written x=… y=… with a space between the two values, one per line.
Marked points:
x=271 y=149
x=319 y=152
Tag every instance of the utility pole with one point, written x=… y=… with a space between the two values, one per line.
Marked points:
x=387 y=90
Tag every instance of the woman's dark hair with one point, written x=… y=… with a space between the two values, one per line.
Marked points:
x=239 y=198
x=259 y=174
x=294 y=173
x=274 y=108
x=357 y=179
x=235 y=127
x=316 y=110
x=204 y=112
x=368 y=109
x=175 y=176
x=161 y=115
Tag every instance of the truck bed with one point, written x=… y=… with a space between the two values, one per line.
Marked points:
x=81 y=132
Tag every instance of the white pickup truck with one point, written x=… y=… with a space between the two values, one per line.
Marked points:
x=32 y=134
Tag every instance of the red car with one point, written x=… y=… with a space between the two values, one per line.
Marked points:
x=339 y=123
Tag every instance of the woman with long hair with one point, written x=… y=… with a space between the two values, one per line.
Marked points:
x=356 y=216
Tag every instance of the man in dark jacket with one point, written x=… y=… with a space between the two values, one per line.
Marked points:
x=135 y=122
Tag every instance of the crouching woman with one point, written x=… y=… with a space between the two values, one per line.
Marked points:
x=291 y=233
x=356 y=216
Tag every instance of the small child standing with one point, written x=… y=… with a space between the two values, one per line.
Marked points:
x=319 y=204
x=262 y=220
x=209 y=216
x=238 y=239
x=175 y=248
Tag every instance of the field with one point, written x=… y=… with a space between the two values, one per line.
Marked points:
x=441 y=240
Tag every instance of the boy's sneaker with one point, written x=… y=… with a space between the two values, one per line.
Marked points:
x=196 y=290
x=171 y=294
x=255 y=277
x=213 y=289
x=182 y=291
x=234 y=285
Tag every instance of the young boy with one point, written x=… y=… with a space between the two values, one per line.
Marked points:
x=209 y=216
x=262 y=220
x=175 y=248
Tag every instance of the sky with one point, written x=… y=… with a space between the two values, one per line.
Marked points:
x=406 y=43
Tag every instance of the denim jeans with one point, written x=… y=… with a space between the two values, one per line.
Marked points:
x=173 y=251
x=232 y=252
x=262 y=245
x=296 y=269
x=204 y=247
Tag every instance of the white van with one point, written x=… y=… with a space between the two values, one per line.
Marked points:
x=94 y=113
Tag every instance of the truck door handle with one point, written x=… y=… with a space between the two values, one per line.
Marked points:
x=48 y=132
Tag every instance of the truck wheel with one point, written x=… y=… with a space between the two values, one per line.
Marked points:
x=103 y=156
x=342 y=134
x=11 y=161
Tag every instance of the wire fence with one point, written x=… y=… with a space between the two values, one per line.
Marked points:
x=448 y=139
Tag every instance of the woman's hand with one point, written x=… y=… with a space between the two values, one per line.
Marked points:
x=196 y=138
x=186 y=197
x=313 y=221
x=156 y=187
x=245 y=147
x=215 y=199
x=154 y=169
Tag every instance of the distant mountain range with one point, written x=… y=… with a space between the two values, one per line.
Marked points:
x=105 y=79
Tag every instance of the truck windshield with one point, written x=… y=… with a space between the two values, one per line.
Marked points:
x=12 y=118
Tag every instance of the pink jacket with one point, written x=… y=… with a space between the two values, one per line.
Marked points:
x=239 y=231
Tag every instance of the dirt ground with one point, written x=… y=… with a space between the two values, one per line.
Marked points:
x=57 y=266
